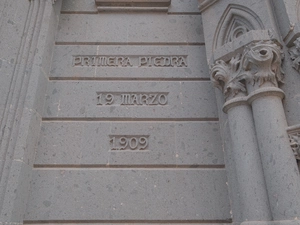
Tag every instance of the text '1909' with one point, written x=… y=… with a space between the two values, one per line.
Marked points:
x=128 y=142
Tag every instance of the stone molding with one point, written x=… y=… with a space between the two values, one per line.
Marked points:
x=132 y=5
x=237 y=45
x=259 y=63
x=21 y=118
x=204 y=4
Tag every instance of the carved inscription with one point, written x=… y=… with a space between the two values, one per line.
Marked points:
x=129 y=61
x=132 y=98
x=128 y=142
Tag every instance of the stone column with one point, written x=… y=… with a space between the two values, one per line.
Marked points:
x=253 y=197
x=262 y=64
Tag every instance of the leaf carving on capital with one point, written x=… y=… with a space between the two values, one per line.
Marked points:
x=259 y=63
x=295 y=54
x=262 y=62
x=295 y=144
x=227 y=76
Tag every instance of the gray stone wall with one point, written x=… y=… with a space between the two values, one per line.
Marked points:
x=109 y=115
x=130 y=129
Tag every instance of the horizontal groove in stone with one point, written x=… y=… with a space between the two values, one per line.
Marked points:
x=125 y=79
x=131 y=43
x=131 y=9
x=142 y=167
x=79 y=12
x=62 y=119
x=130 y=221
x=96 y=12
x=184 y=13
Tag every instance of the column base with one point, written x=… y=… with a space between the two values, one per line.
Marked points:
x=278 y=222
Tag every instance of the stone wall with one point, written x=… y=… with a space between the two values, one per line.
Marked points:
x=149 y=112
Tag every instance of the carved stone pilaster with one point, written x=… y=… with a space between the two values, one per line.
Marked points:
x=295 y=54
x=262 y=62
x=231 y=77
x=256 y=74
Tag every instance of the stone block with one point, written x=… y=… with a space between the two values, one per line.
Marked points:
x=11 y=29
x=184 y=6
x=146 y=62
x=186 y=144
x=129 y=29
x=16 y=192
x=98 y=100
x=128 y=195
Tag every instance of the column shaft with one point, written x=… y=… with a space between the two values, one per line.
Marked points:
x=253 y=196
x=279 y=164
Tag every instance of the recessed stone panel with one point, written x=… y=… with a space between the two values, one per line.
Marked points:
x=125 y=62
x=136 y=144
x=130 y=29
x=99 y=100
x=89 y=6
x=128 y=195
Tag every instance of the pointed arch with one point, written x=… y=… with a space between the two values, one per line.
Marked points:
x=235 y=21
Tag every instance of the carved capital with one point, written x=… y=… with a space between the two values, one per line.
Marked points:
x=295 y=144
x=259 y=63
x=295 y=54
x=262 y=63
x=228 y=77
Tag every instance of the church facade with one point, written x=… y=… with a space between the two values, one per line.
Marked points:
x=150 y=112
